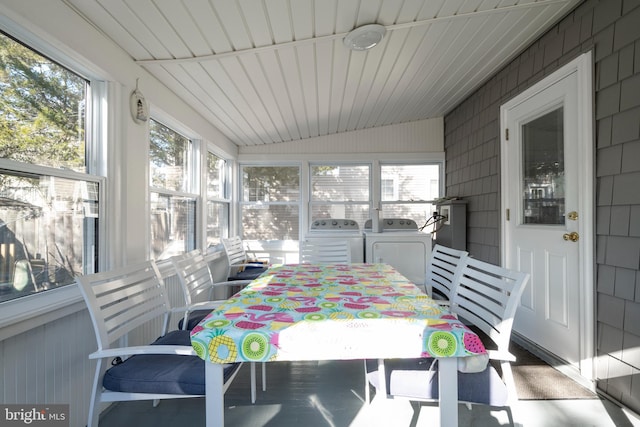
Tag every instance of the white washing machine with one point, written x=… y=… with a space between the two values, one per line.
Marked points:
x=401 y=245
x=347 y=229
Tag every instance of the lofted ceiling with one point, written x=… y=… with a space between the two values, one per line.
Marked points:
x=268 y=71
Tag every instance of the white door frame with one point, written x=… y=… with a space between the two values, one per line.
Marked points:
x=582 y=66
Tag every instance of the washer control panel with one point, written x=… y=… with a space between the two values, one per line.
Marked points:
x=395 y=224
x=330 y=224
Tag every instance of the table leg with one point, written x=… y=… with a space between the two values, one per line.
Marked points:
x=448 y=389
x=214 y=399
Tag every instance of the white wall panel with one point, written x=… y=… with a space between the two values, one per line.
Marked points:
x=415 y=137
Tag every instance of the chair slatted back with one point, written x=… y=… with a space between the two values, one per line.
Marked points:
x=194 y=275
x=487 y=296
x=443 y=269
x=325 y=251
x=234 y=248
x=121 y=300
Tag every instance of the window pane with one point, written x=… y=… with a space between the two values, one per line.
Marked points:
x=345 y=183
x=270 y=183
x=168 y=156
x=543 y=166
x=419 y=212
x=410 y=182
x=216 y=168
x=173 y=222
x=48 y=232
x=217 y=222
x=353 y=211
x=42 y=110
x=270 y=222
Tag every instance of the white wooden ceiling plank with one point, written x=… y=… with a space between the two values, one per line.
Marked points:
x=409 y=11
x=210 y=26
x=252 y=65
x=504 y=49
x=398 y=45
x=432 y=61
x=340 y=69
x=469 y=34
x=389 y=12
x=506 y=3
x=478 y=34
x=450 y=8
x=302 y=18
x=289 y=69
x=368 y=80
x=488 y=5
x=347 y=15
x=181 y=81
x=152 y=17
x=354 y=77
x=324 y=61
x=368 y=12
x=181 y=19
x=257 y=22
x=131 y=31
x=469 y=6
x=227 y=88
x=279 y=16
x=244 y=93
x=309 y=85
x=421 y=46
x=325 y=17
x=271 y=65
x=231 y=19
x=430 y=9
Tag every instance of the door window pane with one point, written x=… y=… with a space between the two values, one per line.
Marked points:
x=543 y=170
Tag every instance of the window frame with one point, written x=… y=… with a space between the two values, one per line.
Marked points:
x=22 y=314
x=225 y=200
x=193 y=180
x=240 y=202
x=369 y=203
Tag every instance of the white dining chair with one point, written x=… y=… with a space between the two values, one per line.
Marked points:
x=121 y=301
x=486 y=296
x=325 y=251
x=444 y=266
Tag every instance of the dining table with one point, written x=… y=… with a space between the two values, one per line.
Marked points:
x=297 y=312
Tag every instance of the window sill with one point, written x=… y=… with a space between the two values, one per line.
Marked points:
x=23 y=314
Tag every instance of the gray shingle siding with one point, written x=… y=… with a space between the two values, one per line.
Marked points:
x=472 y=144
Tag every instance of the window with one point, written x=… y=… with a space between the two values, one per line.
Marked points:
x=270 y=202
x=218 y=202
x=173 y=205
x=409 y=190
x=49 y=216
x=340 y=191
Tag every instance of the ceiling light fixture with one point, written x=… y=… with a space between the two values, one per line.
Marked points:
x=365 y=37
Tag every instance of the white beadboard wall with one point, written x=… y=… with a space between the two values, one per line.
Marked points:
x=413 y=137
x=50 y=365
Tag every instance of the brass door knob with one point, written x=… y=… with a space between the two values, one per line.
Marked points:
x=573 y=236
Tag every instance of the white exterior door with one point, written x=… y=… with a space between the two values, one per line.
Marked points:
x=547 y=178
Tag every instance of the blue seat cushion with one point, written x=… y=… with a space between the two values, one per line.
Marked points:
x=249 y=273
x=194 y=318
x=162 y=373
x=412 y=378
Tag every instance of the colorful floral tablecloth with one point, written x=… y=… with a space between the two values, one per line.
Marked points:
x=331 y=312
